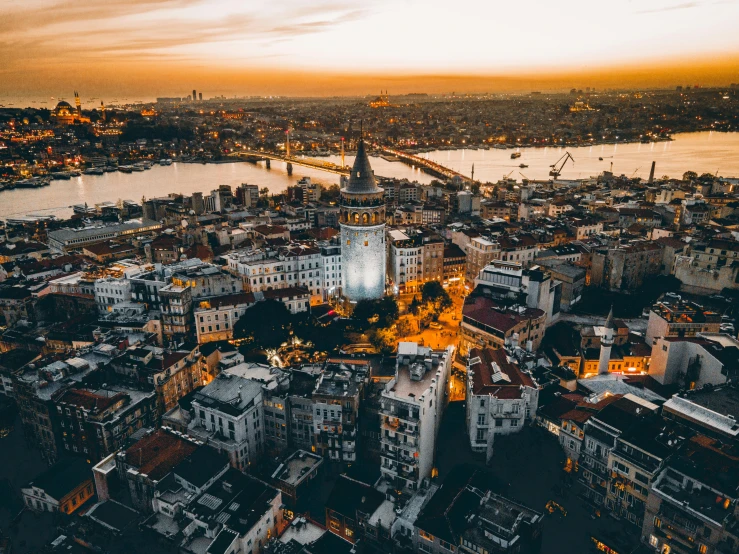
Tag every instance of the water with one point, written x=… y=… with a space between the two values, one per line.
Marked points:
x=706 y=152
x=700 y=152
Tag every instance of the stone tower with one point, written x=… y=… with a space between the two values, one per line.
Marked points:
x=362 y=232
x=606 y=342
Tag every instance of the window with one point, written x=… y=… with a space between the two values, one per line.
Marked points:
x=481 y=419
x=481 y=435
x=514 y=423
x=499 y=423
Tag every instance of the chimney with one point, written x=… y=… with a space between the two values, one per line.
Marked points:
x=651 y=173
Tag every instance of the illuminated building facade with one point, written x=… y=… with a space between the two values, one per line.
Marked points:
x=363 y=232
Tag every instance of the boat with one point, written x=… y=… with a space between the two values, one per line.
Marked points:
x=125 y=168
x=94 y=171
x=138 y=167
x=515 y=155
x=109 y=168
x=165 y=162
x=522 y=165
x=600 y=159
x=32 y=183
x=61 y=175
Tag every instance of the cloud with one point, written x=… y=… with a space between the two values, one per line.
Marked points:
x=50 y=31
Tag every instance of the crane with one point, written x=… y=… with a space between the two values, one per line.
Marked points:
x=555 y=172
x=524 y=176
x=509 y=174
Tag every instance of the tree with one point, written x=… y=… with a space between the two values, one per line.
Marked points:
x=376 y=313
x=690 y=176
x=267 y=324
x=415 y=306
x=436 y=298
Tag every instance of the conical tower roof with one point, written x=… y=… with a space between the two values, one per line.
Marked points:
x=362 y=179
x=609 y=320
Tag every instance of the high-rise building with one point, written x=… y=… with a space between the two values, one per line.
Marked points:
x=194 y=96
x=363 y=232
x=200 y=96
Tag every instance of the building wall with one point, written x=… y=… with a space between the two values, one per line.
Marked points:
x=364 y=261
x=671 y=359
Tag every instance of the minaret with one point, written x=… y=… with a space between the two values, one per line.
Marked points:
x=78 y=104
x=102 y=109
x=606 y=342
x=362 y=232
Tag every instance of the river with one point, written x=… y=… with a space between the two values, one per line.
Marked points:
x=700 y=152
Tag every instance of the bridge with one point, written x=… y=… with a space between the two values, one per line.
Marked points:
x=428 y=166
x=253 y=155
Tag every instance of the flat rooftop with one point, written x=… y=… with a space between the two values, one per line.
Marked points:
x=293 y=470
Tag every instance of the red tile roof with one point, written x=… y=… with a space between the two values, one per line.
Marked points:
x=157 y=454
x=482 y=378
x=488 y=312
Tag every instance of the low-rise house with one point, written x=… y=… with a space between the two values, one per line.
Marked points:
x=64 y=487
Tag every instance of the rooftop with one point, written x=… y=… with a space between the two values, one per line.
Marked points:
x=63 y=477
x=297 y=467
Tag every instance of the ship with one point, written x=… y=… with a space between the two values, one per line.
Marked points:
x=515 y=155
x=94 y=171
x=522 y=165
x=32 y=183
x=125 y=168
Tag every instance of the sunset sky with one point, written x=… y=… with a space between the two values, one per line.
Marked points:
x=147 y=48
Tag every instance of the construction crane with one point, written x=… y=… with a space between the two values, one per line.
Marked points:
x=524 y=176
x=556 y=171
x=634 y=174
x=509 y=174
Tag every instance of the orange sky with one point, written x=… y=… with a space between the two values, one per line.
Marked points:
x=140 y=49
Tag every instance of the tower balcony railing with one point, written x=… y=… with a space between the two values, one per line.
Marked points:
x=363 y=203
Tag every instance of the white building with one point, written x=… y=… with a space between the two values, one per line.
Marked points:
x=405 y=267
x=510 y=279
x=215 y=318
x=707 y=359
x=296 y=265
x=501 y=397
x=412 y=405
x=228 y=415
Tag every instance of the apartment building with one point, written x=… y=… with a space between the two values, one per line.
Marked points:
x=412 y=405
x=228 y=414
x=501 y=397
x=215 y=317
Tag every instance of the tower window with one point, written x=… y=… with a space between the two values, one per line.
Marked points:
x=348 y=242
x=366 y=243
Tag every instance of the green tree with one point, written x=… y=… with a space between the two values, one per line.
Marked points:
x=690 y=176
x=266 y=323
x=415 y=306
x=436 y=298
x=376 y=313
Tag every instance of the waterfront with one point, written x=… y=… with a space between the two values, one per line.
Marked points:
x=700 y=152
x=706 y=152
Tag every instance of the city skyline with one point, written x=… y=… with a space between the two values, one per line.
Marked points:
x=148 y=48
